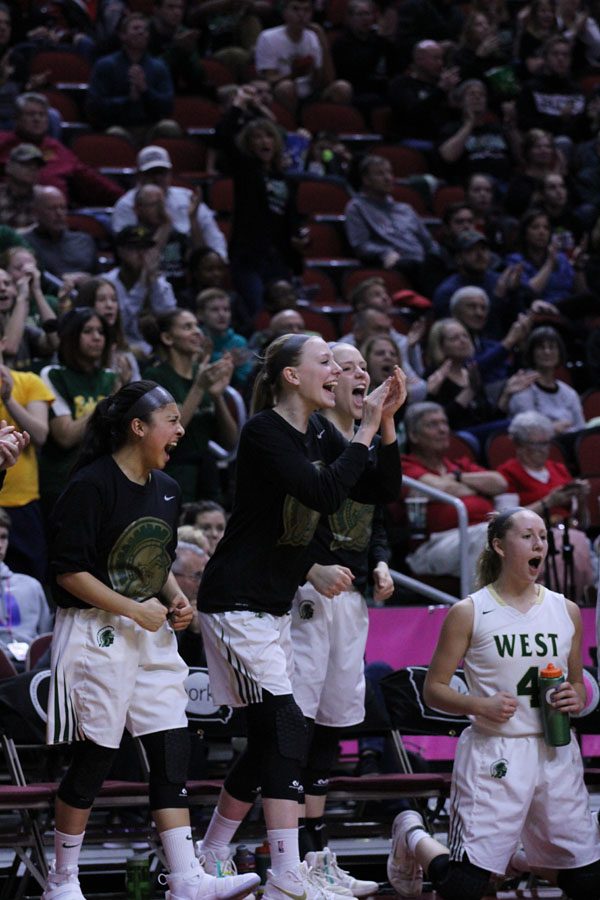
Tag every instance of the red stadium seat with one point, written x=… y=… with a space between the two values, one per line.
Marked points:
x=444 y=196
x=405 y=194
x=100 y=150
x=196 y=114
x=591 y=404
x=333 y=117
x=405 y=161
x=321 y=197
x=587 y=452
x=63 y=66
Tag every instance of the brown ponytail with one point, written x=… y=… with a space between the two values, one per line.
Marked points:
x=489 y=564
x=282 y=352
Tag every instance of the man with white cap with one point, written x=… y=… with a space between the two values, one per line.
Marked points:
x=188 y=215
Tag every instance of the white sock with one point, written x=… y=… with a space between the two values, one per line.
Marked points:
x=413 y=837
x=67 y=848
x=285 y=855
x=219 y=835
x=178 y=845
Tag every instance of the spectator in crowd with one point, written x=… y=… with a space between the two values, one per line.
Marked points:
x=188 y=568
x=545 y=269
x=359 y=56
x=535 y=27
x=473 y=261
x=130 y=90
x=101 y=295
x=482 y=47
x=483 y=196
x=551 y=100
x=470 y=306
x=246 y=103
x=20 y=295
x=188 y=214
x=417 y=20
x=548 y=395
x=479 y=144
x=579 y=23
x=456 y=383
x=13 y=68
x=213 y=308
x=568 y=220
x=24 y=404
x=21 y=172
x=78 y=382
x=419 y=96
x=138 y=283
x=266 y=238
x=24 y=612
x=62 y=252
x=585 y=163
x=62 y=169
x=428 y=461
x=457 y=218
x=177 y=46
x=208 y=269
x=210 y=518
x=540 y=157
x=383 y=231
x=172 y=247
x=296 y=60
x=372 y=294
x=548 y=488
x=229 y=34
x=198 y=388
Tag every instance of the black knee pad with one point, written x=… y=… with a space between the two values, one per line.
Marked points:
x=88 y=770
x=321 y=757
x=169 y=759
x=582 y=883
x=243 y=779
x=290 y=725
x=458 y=880
x=276 y=749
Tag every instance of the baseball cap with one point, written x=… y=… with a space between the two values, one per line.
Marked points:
x=135 y=236
x=153 y=157
x=26 y=153
x=469 y=239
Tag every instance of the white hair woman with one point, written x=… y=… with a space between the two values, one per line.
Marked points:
x=548 y=488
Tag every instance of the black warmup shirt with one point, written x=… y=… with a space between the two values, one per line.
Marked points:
x=285 y=481
x=123 y=533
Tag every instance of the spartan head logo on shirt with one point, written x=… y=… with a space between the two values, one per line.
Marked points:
x=139 y=563
x=499 y=768
x=106 y=636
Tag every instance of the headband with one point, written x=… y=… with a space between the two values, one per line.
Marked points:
x=499 y=520
x=153 y=399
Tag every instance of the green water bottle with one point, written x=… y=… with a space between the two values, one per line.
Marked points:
x=556 y=724
x=137 y=878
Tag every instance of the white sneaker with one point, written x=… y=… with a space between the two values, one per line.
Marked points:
x=63 y=885
x=325 y=861
x=404 y=872
x=208 y=887
x=299 y=884
x=214 y=865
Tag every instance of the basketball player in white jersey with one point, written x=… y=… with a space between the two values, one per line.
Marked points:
x=509 y=787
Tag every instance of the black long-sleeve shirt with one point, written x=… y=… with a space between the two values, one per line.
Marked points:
x=285 y=481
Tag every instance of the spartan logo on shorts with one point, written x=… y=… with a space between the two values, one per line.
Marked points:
x=106 y=636
x=139 y=563
x=499 y=768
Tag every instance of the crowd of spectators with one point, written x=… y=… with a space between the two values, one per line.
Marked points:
x=467 y=248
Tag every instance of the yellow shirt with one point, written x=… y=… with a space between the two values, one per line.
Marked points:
x=21 y=485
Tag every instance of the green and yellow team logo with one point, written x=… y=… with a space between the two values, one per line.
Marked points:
x=139 y=563
x=499 y=769
x=351 y=526
x=106 y=636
